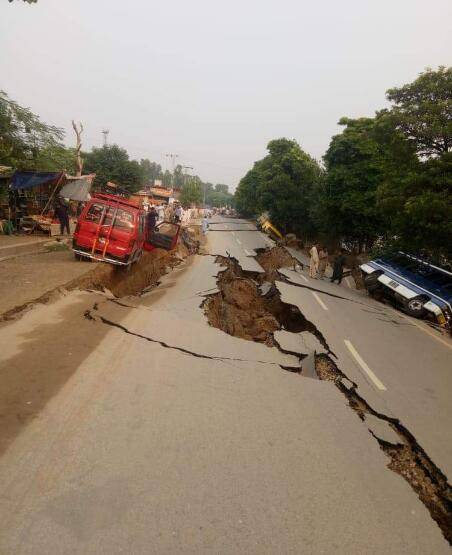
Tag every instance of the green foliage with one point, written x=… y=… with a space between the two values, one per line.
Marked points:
x=220 y=188
x=56 y=158
x=417 y=208
x=247 y=199
x=149 y=171
x=23 y=135
x=357 y=162
x=422 y=111
x=387 y=183
x=282 y=184
x=191 y=193
x=111 y=163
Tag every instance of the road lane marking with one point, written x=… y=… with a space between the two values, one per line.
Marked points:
x=238 y=241
x=425 y=330
x=305 y=278
x=248 y=253
x=378 y=384
x=319 y=300
x=347 y=282
x=233 y=233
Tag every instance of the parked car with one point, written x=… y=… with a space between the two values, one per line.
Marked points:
x=421 y=288
x=113 y=229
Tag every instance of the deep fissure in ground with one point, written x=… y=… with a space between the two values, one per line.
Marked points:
x=249 y=306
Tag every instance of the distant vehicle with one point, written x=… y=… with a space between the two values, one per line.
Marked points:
x=421 y=288
x=265 y=224
x=113 y=229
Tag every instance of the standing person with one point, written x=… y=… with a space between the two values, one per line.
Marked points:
x=204 y=225
x=161 y=213
x=314 y=261
x=178 y=213
x=338 y=267
x=151 y=220
x=62 y=213
x=323 y=261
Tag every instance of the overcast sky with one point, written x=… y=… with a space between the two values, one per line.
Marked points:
x=215 y=81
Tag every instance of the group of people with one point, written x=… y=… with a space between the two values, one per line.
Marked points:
x=319 y=259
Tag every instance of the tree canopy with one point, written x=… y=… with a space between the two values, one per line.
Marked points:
x=23 y=135
x=387 y=180
x=112 y=163
x=191 y=193
x=281 y=184
x=422 y=111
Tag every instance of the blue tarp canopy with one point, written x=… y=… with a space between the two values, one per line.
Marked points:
x=28 y=180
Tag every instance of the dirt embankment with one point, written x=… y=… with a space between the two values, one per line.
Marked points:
x=119 y=281
x=272 y=260
x=239 y=308
x=242 y=309
x=41 y=354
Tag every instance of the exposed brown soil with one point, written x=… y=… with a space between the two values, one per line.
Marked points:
x=241 y=310
x=129 y=281
x=120 y=281
x=272 y=260
x=407 y=458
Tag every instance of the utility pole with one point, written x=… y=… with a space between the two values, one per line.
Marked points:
x=172 y=157
x=186 y=174
x=105 y=133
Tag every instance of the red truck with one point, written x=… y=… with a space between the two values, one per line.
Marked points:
x=113 y=229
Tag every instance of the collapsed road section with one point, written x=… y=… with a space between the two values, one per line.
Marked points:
x=249 y=306
x=154 y=397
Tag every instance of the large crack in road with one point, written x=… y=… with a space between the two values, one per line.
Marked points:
x=240 y=308
x=248 y=305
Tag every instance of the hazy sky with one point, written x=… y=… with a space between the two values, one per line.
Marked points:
x=215 y=81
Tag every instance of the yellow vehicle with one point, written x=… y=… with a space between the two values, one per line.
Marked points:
x=266 y=225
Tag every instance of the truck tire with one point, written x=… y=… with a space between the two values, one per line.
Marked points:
x=414 y=307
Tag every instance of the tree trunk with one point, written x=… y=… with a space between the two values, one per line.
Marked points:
x=78 y=148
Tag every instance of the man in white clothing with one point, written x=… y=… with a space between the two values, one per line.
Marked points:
x=314 y=261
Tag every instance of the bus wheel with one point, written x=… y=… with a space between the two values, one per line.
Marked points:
x=415 y=307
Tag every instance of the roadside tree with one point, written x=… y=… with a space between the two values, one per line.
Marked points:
x=111 y=163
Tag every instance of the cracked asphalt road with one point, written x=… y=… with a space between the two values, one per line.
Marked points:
x=149 y=449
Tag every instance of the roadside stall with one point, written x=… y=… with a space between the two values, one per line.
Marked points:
x=32 y=196
x=30 y=199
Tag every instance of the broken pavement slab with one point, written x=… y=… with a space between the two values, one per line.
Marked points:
x=250 y=451
x=382 y=429
x=227 y=453
x=303 y=343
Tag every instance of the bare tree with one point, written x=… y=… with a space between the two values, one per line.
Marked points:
x=78 y=147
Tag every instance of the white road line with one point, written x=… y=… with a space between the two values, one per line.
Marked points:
x=378 y=384
x=305 y=278
x=347 y=282
x=233 y=233
x=248 y=253
x=238 y=241
x=319 y=300
x=425 y=330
